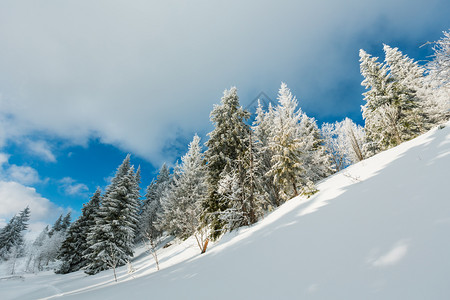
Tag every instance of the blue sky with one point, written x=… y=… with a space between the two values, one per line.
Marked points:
x=82 y=83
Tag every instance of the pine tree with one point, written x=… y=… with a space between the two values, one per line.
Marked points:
x=111 y=239
x=344 y=141
x=37 y=254
x=317 y=162
x=65 y=223
x=75 y=245
x=182 y=204
x=241 y=187
x=57 y=226
x=226 y=144
x=390 y=109
x=409 y=79
x=11 y=236
x=438 y=69
x=262 y=127
x=151 y=208
x=70 y=253
x=286 y=145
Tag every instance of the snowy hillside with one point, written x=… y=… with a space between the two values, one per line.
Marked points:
x=377 y=230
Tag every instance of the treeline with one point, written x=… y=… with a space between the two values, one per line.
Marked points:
x=248 y=170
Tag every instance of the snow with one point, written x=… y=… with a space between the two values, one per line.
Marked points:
x=376 y=230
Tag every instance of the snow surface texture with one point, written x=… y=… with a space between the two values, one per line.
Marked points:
x=377 y=230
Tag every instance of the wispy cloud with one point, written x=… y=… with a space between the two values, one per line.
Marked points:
x=72 y=188
x=21 y=174
x=41 y=149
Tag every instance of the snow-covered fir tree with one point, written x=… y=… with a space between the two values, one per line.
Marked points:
x=56 y=236
x=11 y=236
x=57 y=226
x=151 y=208
x=438 y=79
x=262 y=127
x=75 y=245
x=439 y=67
x=241 y=187
x=65 y=222
x=390 y=111
x=111 y=238
x=37 y=256
x=344 y=142
x=317 y=162
x=182 y=203
x=409 y=80
x=70 y=252
x=286 y=145
x=226 y=144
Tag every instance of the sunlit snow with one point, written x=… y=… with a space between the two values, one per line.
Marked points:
x=377 y=230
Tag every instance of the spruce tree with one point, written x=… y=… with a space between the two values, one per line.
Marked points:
x=262 y=127
x=111 y=239
x=11 y=236
x=57 y=226
x=227 y=143
x=65 y=222
x=70 y=253
x=344 y=142
x=151 y=209
x=409 y=80
x=438 y=70
x=75 y=245
x=286 y=145
x=316 y=161
x=241 y=187
x=182 y=203
x=390 y=111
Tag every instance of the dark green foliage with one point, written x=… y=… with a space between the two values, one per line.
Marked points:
x=75 y=245
x=11 y=236
x=111 y=239
x=227 y=143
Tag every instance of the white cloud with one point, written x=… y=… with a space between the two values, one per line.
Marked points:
x=3 y=159
x=23 y=174
x=14 y=197
x=149 y=72
x=41 y=149
x=71 y=187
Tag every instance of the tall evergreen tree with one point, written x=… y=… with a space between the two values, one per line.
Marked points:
x=57 y=226
x=390 y=109
x=316 y=161
x=75 y=245
x=286 y=145
x=182 y=203
x=438 y=79
x=111 y=239
x=227 y=143
x=262 y=127
x=344 y=141
x=11 y=236
x=241 y=187
x=151 y=209
x=409 y=80
x=65 y=222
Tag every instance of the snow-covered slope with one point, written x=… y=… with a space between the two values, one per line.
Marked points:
x=378 y=230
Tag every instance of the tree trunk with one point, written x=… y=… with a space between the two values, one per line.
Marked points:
x=205 y=245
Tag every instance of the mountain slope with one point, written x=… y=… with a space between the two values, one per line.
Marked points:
x=377 y=230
